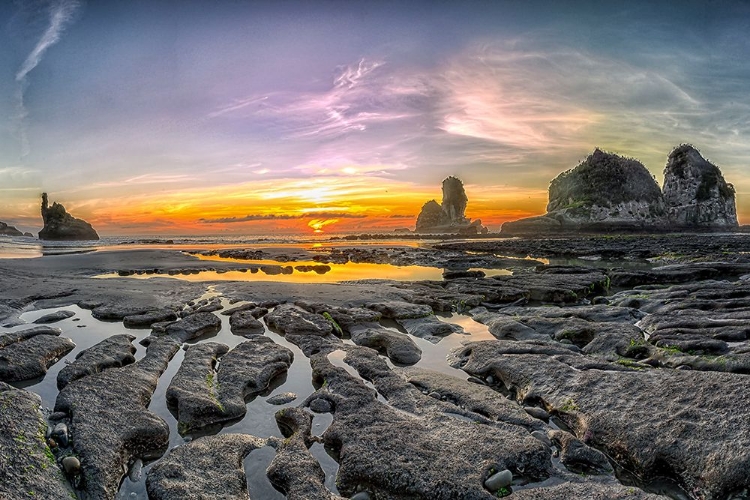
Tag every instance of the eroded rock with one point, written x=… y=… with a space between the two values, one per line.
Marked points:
x=113 y=352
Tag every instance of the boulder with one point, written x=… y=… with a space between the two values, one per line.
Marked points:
x=113 y=352
x=25 y=356
x=60 y=225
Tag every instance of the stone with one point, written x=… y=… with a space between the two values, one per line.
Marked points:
x=60 y=225
x=30 y=357
x=281 y=398
x=400 y=310
x=113 y=352
x=193 y=326
x=26 y=462
x=54 y=317
x=290 y=319
x=499 y=480
x=109 y=421
x=145 y=320
x=207 y=467
x=245 y=323
x=71 y=466
x=398 y=347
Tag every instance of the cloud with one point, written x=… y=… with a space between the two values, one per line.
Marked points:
x=60 y=12
x=258 y=217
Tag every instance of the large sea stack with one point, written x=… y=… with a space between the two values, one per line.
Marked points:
x=60 y=225
x=6 y=230
x=450 y=215
x=696 y=193
x=610 y=193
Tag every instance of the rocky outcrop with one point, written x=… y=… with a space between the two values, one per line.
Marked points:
x=6 y=230
x=450 y=216
x=60 y=225
x=695 y=192
x=610 y=193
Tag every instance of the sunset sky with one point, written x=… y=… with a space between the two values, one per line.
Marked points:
x=154 y=117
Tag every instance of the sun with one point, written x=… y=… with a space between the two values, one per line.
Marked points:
x=317 y=225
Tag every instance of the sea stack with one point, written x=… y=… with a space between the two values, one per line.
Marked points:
x=696 y=193
x=610 y=193
x=450 y=215
x=60 y=225
x=6 y=230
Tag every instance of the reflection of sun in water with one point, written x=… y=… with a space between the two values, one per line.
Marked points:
x=318 y=224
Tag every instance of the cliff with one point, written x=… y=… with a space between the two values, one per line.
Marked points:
x=450 y=215
x=60 y=225
x=610 y=193
x=6 y=230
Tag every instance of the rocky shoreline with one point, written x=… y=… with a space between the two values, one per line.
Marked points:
x=553 y=381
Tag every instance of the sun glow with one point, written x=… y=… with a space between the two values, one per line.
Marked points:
x=318 y=224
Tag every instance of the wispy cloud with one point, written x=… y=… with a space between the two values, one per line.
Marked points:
x=61 y=12
x=267 y=217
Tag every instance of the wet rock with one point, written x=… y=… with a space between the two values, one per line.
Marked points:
x=249 y=369
x=578 y=457
x=282 y=398
x=397 y=346
x=71 y=466
x=399 y=450
x=109 y=420
x=245 y=323
x=451 y=274
x=290 y=319
x=536 y=412
x=28 y=355
x=207 y=467
x=111 y=312
x=9 y=338
x=60 y=434
x=429 y=328
x=294 y=470
x=479 y=399
x=193 y=390
x=145 y=320
x=345 y=317
x=593 y=489
x=193 y=326
x=320 y=405
x=401 y=310
x=499 y=480
x=26 y=463
x=244 y=307
x=54 y=317
x=206 y=397
x=113 y=352
x=682 y=424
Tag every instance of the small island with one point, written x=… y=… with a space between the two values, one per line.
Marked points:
x=60 y=225
x=450 y=215
x=610 y=193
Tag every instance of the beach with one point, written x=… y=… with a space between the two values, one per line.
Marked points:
x=612 y=367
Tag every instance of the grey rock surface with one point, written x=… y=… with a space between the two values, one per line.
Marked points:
x=398 y=347
x=206 y=468
x=31 y=354
x=193 y=326
x=27 y=467
x=290 y=319
x=109 y=420
x=113 y=352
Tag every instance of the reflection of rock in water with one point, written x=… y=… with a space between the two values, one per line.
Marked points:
x=448 y=217
x=319 y=269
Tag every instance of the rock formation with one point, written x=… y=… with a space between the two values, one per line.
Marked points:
x=695 y=192
x=607 y=193
x=60 y=225
x=449 y=216
x=6 y=230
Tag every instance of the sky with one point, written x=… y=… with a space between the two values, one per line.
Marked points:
x=238 y=117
